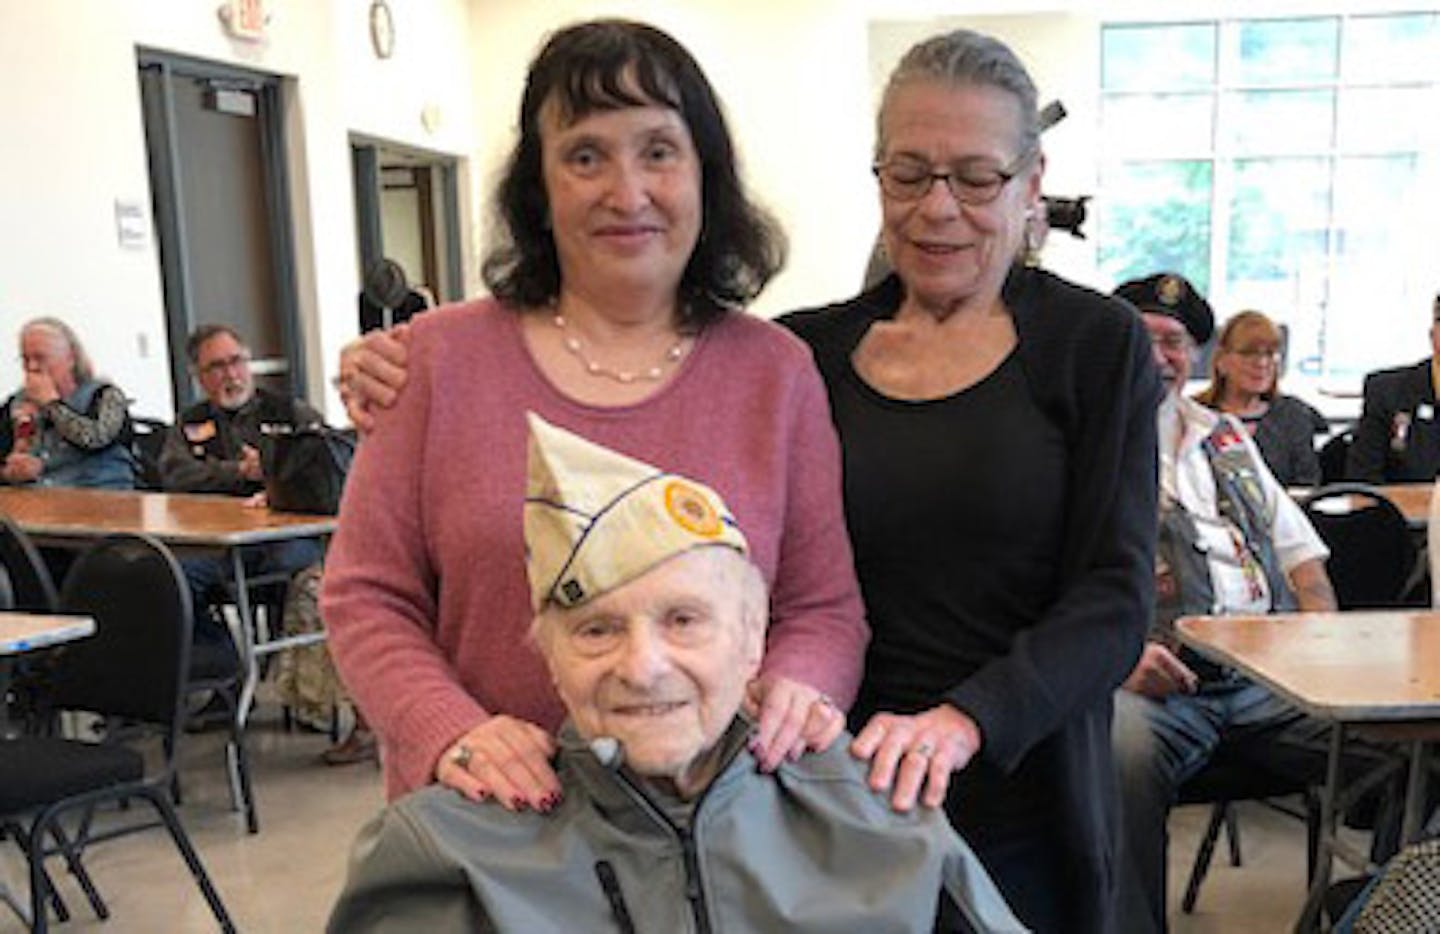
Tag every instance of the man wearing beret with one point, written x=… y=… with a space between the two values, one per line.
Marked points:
x=1397 y=439
x=651 y=619
x=1230 y=541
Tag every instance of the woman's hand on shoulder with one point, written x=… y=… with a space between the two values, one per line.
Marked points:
x=504 y=758
x=794 y=718
x=911 y=754
x=373 y=369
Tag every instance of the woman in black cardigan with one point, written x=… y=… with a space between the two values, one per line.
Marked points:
x=998 y=432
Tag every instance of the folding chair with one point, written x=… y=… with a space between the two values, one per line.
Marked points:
x=132 y=671
x=1372 y=549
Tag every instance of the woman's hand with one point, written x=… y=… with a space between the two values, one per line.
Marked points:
x=505 y=759
x=794 y=718
x=372 y=373
x=907 y=753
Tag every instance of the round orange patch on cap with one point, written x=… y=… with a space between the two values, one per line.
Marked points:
x=691 y=510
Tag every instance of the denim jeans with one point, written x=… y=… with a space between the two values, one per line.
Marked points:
x=1159 y=745
x=207 y=575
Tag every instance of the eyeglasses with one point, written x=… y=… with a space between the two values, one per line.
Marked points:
x=1257 y=355
x=906 y=178
x=1171 y=342
x=216 y=367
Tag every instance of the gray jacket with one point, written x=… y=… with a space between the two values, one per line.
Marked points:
x=807 y=848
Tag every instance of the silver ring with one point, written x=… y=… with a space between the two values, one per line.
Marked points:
x=461 y=755
x=924 y=750
x=824 y=699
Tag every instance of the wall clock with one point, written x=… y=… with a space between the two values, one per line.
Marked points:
x=382 y=29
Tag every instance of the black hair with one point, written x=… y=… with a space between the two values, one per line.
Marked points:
x=204 y=333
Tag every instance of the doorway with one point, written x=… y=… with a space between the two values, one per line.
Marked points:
x=215 y=141
x=407 y=208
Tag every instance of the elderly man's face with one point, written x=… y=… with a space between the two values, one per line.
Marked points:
x=1171 y=345
x=661 y=663
x=223 y=366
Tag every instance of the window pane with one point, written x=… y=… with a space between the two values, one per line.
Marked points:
x=1156 y=215
x=1392 y=48
x=1373 y=310
x=1279 y=217
x=1277 y=122
x=1286 y=51
x=1386 y=119
x=1157 y=57
x=1151 y=125
x=1279 y=213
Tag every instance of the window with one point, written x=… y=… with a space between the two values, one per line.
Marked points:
x=1289 y=165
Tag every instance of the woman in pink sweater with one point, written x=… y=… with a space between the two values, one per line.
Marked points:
x=616 y=315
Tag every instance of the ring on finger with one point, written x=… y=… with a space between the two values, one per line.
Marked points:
x=461 y=754
x=923 y=750
x=823 y=700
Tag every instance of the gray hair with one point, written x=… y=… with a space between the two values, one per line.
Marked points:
x=83 y=370
x=960 y=58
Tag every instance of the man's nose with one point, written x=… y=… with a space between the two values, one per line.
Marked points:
x=644 y=658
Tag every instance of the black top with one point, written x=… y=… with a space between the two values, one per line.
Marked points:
x=201 y=450
x=1285 y=435
x=372 y=315
x=1042 y=699
x=1397 y=439
x=949 y=570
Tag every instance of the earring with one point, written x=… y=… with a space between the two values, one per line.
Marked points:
x=1034 y=239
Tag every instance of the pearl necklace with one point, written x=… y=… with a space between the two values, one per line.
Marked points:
x=652 y=374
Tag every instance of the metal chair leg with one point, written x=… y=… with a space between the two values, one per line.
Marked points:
x=192 y=860
x=1203 y=856
x=1232 y=830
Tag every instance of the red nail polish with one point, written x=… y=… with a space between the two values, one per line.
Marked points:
x=517 y=802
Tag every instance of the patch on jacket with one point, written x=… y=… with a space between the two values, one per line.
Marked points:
x=200 y=432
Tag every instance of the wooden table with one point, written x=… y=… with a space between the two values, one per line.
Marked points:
x=185 y=522
x=1376 y=673
x=1413 y=500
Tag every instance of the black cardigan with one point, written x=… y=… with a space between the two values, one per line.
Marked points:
x=1087 y=359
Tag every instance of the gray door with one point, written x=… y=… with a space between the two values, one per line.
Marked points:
x=213 y=135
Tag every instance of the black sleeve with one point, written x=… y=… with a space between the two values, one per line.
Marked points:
x=1366 y=461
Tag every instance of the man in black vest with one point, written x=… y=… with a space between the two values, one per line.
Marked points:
x=1397 y=439
x=214 y=447
x=1231 y=541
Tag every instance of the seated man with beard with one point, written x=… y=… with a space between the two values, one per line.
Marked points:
x=651 y=619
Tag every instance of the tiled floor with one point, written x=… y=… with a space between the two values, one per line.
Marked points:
x=284 y=879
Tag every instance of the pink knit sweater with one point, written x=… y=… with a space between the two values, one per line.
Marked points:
x=425 y=596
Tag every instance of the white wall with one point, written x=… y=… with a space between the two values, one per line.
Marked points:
x=797 y=76
x=74 y=143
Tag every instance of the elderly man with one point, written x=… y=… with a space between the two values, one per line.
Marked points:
x=651 y=619
x=1397 y=439
x=1230 y=541
x=214 y=447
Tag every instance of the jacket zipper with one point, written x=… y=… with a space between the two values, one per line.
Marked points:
x=694 y=889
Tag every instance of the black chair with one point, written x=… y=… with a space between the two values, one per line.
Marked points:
x=30 y=581
x=1372 y=548
x=131 y=672
x=1221 y=784
x=1333 y=455
x=146 y=440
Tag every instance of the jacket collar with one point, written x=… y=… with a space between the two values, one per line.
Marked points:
x=627 y=800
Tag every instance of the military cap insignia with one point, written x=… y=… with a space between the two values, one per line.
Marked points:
x=1169 y=291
